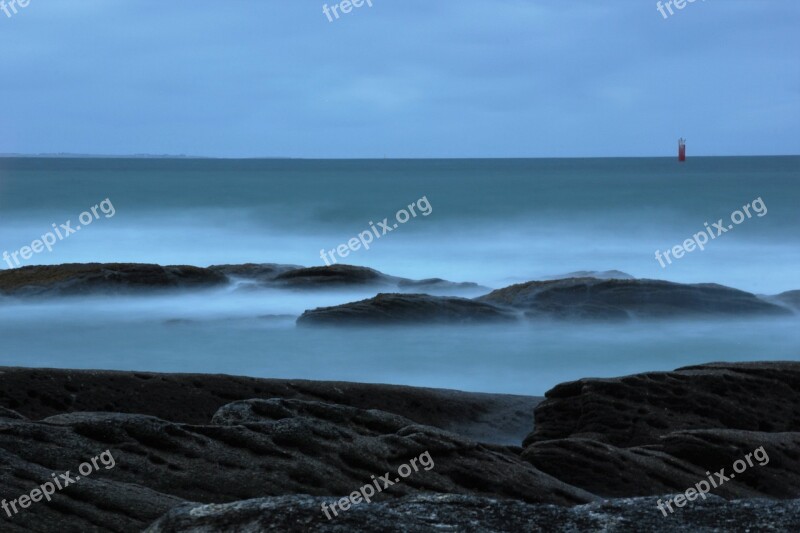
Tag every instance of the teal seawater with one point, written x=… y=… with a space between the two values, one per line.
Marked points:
x=495 y=222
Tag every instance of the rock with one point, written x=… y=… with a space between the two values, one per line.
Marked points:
x=789 y=298
x=439 y=286
x=407 y=309
x=105 y=278
x=677 y=463
x=636 y=439
x=114 y=278
x=423 y=513
x=105 y=500
x=8 y=413
x=775 y=470
x=255 y=448
x=662 y=431
x=339 y=276
x=620 y=299
x=194 y=398
x=640 y=409
x=332 y=276
x=605 y=274
x=262 y=272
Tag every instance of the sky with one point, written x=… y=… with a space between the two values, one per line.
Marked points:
x=400 y=79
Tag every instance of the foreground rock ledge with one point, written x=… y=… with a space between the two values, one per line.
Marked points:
x=452 y=513
x=223 y=453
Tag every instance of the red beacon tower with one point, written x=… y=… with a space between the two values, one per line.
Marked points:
x=681 y=149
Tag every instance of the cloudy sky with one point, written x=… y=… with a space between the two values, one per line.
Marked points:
x=403 y=78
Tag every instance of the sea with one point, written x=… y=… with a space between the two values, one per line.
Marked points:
x=494 y=222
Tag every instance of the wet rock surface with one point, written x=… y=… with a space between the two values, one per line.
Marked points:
x=407 y=309
x=424 y=513
x=200 y=453
x=621 y=299
x=640 y=409
x=663 y=432
x=107 y=278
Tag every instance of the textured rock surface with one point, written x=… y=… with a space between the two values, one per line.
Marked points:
x=306 y=443
x=451 y=513
x=662 y=431
x=257 y=448
x=105 y=500
x=76 y=279
x=639 y=409
x=678 y=463
x=622 y=299
x=111 y=278
x=194 y=398
x=407 y=309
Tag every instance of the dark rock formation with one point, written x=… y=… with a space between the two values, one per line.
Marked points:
x=424 y=513
x=605 y=274
x=332 y=277
x=662 y=431
x=250 y=449
x=106 y=278
x=620 y=299
x=676 y=464
x=9 y=413
x=115 y=278
x=640 y=409
x=98 y=502
x=637 y=439
x=439 y=286
x=407 y=309
x=789 y=298
x=262 y=272
x=194 y=398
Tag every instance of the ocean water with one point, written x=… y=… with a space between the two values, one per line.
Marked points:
x=495 y=222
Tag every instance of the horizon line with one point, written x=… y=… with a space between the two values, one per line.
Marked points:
x=67 y=155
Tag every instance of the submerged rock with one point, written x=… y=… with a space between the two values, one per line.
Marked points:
x=105 y=278
x=605 y=274
x=262 y=272
x=788 y=298
x=620 y=299
x=332 y=276
x=407 y=309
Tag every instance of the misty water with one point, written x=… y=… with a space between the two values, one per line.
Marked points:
x=492 y=222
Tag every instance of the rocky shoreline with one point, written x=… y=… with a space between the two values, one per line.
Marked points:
x=593 y=296
x=219 y=453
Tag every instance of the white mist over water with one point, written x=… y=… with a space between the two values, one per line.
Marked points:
x=493 y=222
x=248 y=334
